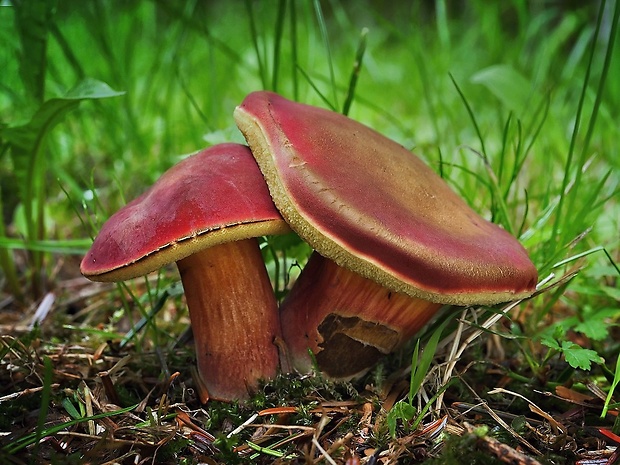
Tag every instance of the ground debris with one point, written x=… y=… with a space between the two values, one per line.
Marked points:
x=91 y=399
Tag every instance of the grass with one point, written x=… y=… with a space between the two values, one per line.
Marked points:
x=514 y=103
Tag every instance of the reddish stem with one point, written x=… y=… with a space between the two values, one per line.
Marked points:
x=234 y=317
x=346 y=320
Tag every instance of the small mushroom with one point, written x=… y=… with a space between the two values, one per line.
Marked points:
x=396 y=242
x=205 y=214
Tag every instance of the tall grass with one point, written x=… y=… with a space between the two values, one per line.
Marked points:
x=509 y=101
x=513 y=103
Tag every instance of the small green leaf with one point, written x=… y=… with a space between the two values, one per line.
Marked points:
x=578 y=357
x=559 y=332
x=403 y=411
x=90 y=88
x=70 y=408
x=551 y=343
x=575 y=355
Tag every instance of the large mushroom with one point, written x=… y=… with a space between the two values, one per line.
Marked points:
x=205 y=214
x=395 y=242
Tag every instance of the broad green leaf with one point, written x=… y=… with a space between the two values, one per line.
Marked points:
x=27 y=144
x=29 y=136
x=509 y=86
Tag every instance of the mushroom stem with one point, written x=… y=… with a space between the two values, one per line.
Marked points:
x=346 y=320
x=234 y=317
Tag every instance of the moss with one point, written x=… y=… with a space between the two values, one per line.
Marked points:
x=462 y=450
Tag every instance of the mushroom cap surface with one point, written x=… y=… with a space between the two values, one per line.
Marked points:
x=375 y=208
x=215 y=196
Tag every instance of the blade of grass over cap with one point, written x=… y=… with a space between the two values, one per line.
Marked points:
x=355 y=72
x=330 y=60
x=277 y=44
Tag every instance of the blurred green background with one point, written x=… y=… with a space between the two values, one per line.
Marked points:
x=515 y=103
x=505 y=99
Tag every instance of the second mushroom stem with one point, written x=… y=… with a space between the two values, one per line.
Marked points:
x=234 y=317
x=346 y=320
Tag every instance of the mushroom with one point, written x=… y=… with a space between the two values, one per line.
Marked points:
x=395 y=242
x=205 y=214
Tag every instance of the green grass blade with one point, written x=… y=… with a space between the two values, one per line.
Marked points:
x=323 y=28
x=543 y=110
x=419 y=369
x=526 y=204
x=266 y=450
x=65 y=246
x=504 y=151
x=294 y=51
x=32 y=438
x=355 y=72
x=67 y=50
x=442 y=24
x=322 y=96
x=46 y=396
x=414 y=384
x=597 y=102
x=279 y=32
x=418 y=419
x=499 y=204
x=569 y=167
x=70 y=409
x=27 y=143
x=28 y=150
x=33 y=20
x=7 y=265
x=612 y=389
x=260 y=59
x=585 y=254
x=147 y=319
x=470 y=112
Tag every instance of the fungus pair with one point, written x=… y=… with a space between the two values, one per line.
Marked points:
x=392 y=242
x=205 y=214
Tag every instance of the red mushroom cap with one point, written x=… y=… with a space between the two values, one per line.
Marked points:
x=194 y=205
x=373 y=207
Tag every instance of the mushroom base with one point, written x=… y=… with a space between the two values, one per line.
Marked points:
x=234 y=318
x=346 y=320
